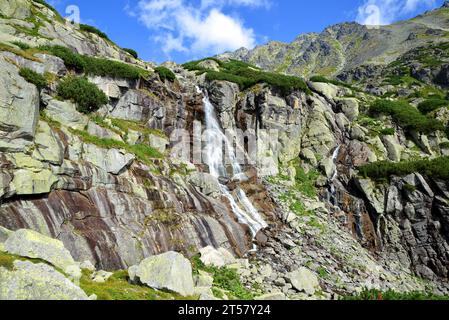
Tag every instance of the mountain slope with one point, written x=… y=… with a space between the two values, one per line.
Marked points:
x=343 y=47
x=347 y=189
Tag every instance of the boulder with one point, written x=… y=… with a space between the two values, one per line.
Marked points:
x=208 y=184
x=158 y=142
x=19 y=104
x=111 y=160
x=30 y=244
x=48 y=145
x=217 y=258
x=304 y=280
x=87 y=265
x=28 y=281
x=170 y=271
x=394 y=148
x=101 y=276
x=329 y=91
x=350 y=107
x=29 y=182
x=65 y=113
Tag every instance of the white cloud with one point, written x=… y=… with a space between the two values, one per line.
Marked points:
x=179 y=25
x=381 y=12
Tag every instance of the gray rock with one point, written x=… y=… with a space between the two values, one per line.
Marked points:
x=216 y=257
x=111 y=160
x=28 y=243
x=169 y=271
x=19 y=105
x=304 y=280
x=30 y=281
x=65 y=113
x=101 y=276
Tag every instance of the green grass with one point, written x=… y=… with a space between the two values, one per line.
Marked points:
x=131 y=52
x=224 y=279
x=435 y=168
x=246 y=75
x=33 y=77
x=118 y=288
x=406 y=116
x=86 y=95
x=165 y=74
x=27 y=54
x=91 y=29
x=144 y=153
x=21 y=45
x=393 y=295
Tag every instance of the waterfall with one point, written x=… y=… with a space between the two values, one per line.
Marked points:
x=215 y=159
x=333 y=192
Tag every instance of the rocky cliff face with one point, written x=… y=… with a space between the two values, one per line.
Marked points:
x=84 y=179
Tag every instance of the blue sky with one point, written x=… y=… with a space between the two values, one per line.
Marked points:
x=183 y=30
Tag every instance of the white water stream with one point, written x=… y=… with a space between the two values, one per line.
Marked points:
x=216 y=159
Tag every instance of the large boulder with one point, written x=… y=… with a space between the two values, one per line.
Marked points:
x=111 y=160
x=170 y=271
x=28 y=243
x=350 y=107
x=19 y=105
x=29 y=281
x=208 y=184
x=329 y=91
x=216 y=257
x=304 y=280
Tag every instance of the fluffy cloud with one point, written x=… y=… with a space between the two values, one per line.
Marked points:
x=381 y=12
x=204 y=28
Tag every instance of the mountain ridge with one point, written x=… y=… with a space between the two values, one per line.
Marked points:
x=347 y=45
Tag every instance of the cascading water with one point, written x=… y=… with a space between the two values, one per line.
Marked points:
x=215 y=159
x=333 y=193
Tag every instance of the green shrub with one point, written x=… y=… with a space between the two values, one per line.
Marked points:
x=87 y=95
x=444 y=145
x=71 y=59
x=165 y=74
x=33 y=77
x=246 y=75
x=21 y=45
x=131 y=52
x=436 y=168
x=90 y=29
x=406 y=115
x=387 y=132
x=104 y=67
x=95 y=66
x=431 y=105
